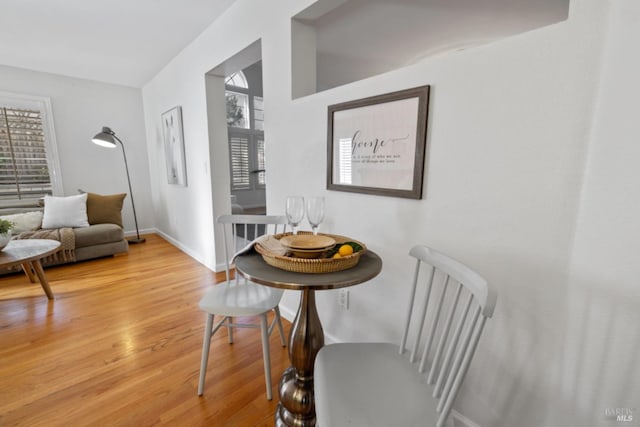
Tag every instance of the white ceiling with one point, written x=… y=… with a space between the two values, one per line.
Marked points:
x=124 y=42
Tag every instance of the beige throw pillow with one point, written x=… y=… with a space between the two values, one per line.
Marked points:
x=105 y=209
x=28 y=221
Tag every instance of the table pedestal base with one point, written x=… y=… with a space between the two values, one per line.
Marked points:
x=297 y=405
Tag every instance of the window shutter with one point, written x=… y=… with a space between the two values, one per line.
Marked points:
x=260 y=161
x=24 y=173
x=239 y=151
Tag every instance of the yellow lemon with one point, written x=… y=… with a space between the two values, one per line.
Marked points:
x=337 y=255
x=345 y=250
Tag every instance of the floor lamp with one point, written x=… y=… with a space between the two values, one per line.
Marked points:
x=107 y=138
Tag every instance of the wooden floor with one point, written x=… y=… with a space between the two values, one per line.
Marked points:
x=120 y=346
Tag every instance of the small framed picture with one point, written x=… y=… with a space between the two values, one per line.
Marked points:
x=174 y=146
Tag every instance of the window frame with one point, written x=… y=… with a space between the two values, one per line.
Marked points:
x=247 y=114
x=251 y=133
x=43 y=104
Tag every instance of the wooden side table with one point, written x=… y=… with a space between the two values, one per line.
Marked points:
x=28 y=254
x=297 y=405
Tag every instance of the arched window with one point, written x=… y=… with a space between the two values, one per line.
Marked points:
x=238 y=80
x=237 y=96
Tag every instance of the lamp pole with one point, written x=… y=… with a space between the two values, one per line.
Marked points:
x=105 y=139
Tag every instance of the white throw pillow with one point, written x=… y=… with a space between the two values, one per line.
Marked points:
x=70 y=211
x=28 y=221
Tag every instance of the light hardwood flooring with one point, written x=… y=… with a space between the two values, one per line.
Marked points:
x=120 y=346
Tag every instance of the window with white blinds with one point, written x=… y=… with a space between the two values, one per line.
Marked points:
x=246 y=157
x=260 y=162
x=24 y=169
x=239 y=153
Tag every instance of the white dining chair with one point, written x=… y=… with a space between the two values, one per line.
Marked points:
x=238 y=297
x=379 y=384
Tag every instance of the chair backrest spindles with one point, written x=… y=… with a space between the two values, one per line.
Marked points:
x=226 y=250
x=470 y=351
x=444 y=335
x=454 y=350
x=412 y=297
x=239 y=230
x=434 y=326
x=458 y=359
x=423 y=316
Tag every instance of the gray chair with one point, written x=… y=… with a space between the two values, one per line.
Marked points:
x=239 y=297
x=379 y=384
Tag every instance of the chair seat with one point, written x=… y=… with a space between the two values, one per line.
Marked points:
x=352 y=390
x=247 y=299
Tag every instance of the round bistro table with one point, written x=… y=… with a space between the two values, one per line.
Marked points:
x=297 y=406
x=28 y=254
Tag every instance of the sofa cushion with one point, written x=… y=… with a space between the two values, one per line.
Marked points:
x=105 y=209
x=70 y=211
x=98 y=234
x=27 y=221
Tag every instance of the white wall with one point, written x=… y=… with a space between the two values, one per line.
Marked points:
x=601 y=366
x=509 y=131
x=80 y=109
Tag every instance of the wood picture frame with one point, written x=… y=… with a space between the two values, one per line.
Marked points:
x=377 y=145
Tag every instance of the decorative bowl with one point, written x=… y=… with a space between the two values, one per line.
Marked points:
x=308 y=253
x=316 y=265
x=307 y=242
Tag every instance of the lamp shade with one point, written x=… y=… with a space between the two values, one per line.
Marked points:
x=106 y=138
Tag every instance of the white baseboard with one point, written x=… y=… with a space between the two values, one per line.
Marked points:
x=217 y=268
x=287 y=314
x=178 y=245
x=131 y=233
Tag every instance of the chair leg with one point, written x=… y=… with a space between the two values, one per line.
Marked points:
x=206 y=344
x=264 y=328
x=280 y=328
x=230 y=329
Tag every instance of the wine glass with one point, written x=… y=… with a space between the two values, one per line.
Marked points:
x=315 y=212
x=295 y=211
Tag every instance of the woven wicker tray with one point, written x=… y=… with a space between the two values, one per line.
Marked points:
x=315 y=265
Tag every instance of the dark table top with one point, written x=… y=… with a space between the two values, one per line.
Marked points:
x=254 y=268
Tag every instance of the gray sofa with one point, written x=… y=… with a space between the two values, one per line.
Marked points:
x=94 y=241
x=99 y=240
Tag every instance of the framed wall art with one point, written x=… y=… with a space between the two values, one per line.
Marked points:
x=174 y=146
x=377 y=145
